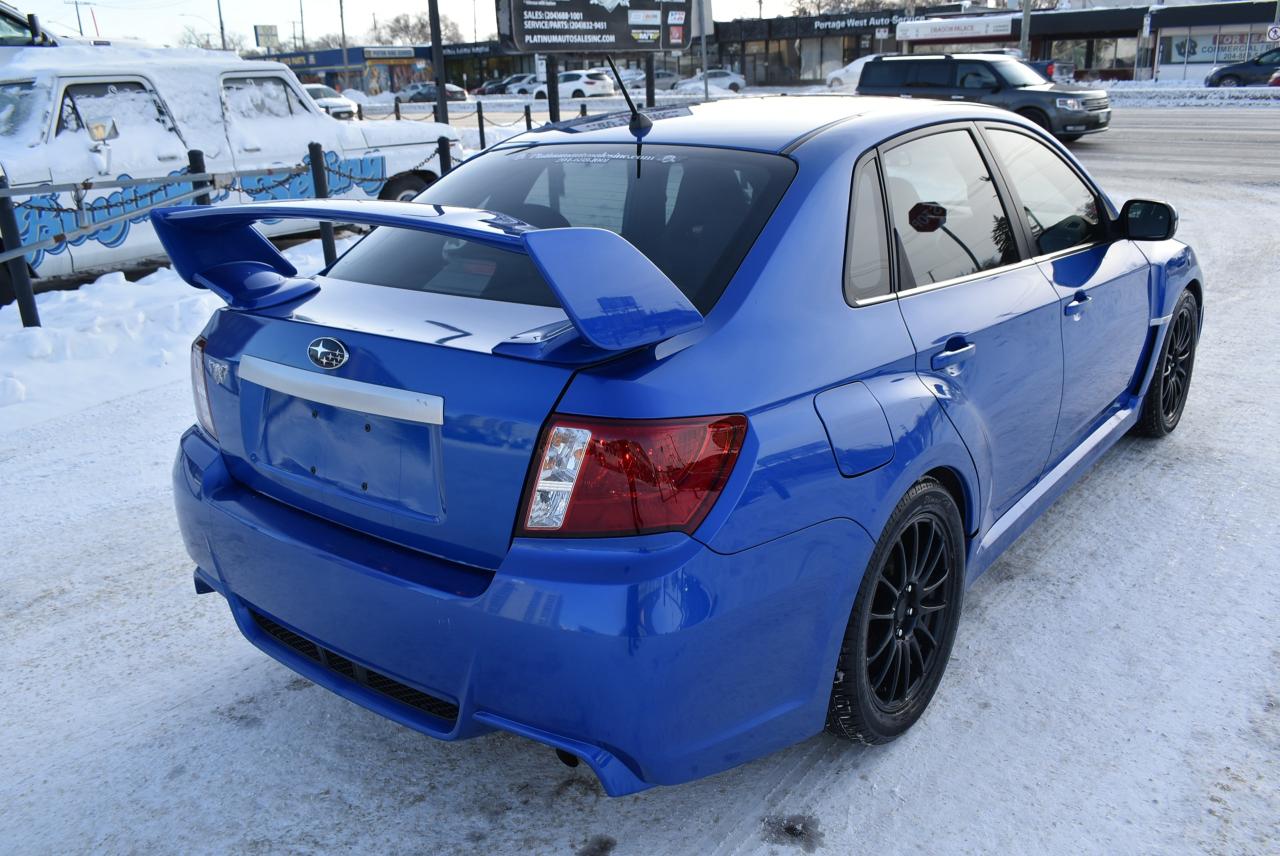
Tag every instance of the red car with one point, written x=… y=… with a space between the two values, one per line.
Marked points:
x=1275 y=79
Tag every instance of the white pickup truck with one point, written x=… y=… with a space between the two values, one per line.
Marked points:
x=83 y=112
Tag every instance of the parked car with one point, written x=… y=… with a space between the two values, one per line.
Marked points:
x=662 y=80
x=1252 y=72
x=522 y=84
x=497 y=86
x=676 y=463
x=723 y=78
x=848 y=75
x=422 y=92
x=95 y=113
x=330 y=101
x=579 y=84
x=1068 y=112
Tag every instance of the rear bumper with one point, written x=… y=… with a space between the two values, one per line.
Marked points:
x=654 y=659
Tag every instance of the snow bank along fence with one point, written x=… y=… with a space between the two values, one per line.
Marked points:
x=161 y=192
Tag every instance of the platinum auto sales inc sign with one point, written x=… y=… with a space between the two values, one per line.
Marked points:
x=589 y=26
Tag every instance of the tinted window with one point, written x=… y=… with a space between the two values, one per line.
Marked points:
x=975 y=75
x=866 y=262
x=1059 y=208
x=931 y=73
x=945 y=210
x=883 y=74
x=693 y=211
x=1270 y=57
x=1018 y=74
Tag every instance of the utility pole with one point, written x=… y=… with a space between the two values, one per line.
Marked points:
x=702 y=30
x=1024 y=33
x=437 y=61
x=80 y=25
x=222 y=30
x=302 y=23
x=342 y=23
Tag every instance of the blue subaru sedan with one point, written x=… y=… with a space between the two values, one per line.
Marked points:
x=669 y=449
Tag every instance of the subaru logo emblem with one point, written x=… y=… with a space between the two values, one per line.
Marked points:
x=327 y=353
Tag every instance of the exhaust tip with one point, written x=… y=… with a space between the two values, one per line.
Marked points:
x=568 y=758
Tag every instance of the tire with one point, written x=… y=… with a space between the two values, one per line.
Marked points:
x=404 y=188
x=836 y=83
x=1229 y=80
x=540 y=96
x=1037 y=116
x=733 y=87
x=889 y=623
x=578 y=93
x=1171 y=383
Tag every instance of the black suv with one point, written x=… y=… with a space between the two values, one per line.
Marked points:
x=1067 y=112
x=1252 y=72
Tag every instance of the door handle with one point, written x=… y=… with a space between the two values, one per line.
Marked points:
x=943 y=359
x=1077 y=306
x=957 y=97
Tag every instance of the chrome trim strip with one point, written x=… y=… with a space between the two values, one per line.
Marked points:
x=1160 y=322
x=354 y=395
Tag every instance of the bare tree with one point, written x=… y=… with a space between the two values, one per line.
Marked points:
x=328 y=40
x=193 y=38
x=414 y=30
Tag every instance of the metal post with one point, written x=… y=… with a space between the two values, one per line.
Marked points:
x=437 y=61
x=553 y=88
x=359 y=111
x=315 y=154
x=435 y=112
x=222 y=30
x=582 y=109
x=1024 y=31
x=480 y=121
x=702 y=27
x=397 y=109
x=195 y=166
x=342 y=24
x=528 y=118
x=302 y=24
x=19 y=276
x=446 y=158
x=648 y=80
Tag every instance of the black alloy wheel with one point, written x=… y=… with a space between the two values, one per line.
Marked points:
x=904 y=620
x=1167 y=396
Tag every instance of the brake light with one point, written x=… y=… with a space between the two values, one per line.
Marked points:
x=1049 y=71
x=599 y=477
x=200 y=388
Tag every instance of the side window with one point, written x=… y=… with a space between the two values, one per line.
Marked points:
x=261 y=97
x=946 y=214
x=133 y=109
x=884 y=73
x=975 y=75
x=931 y=73
x=1060 y=209
x=866 y=254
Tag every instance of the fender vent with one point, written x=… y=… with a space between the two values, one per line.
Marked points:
x=340 y=665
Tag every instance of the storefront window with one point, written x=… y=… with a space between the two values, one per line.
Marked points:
x=1070 y=50
x=810 y=58
x=1126 y=52
x=1233 y=47
x=832 y=55
x=784 y=62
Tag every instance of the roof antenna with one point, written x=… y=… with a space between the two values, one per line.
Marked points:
x=640 y=124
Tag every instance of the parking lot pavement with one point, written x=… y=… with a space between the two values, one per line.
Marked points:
x=1115 y=685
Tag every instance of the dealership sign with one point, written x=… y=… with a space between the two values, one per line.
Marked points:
x=587 y=26
x=955 y=29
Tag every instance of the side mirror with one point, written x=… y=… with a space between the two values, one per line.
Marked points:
x=101 y=130
x=1148 y=220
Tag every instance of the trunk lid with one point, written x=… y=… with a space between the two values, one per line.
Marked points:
x=421 y=437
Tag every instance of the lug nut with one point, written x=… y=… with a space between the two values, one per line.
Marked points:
x=899 y=631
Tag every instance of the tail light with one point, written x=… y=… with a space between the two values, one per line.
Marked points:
x=600 y=477
x=1048 y=71
x=200 y=388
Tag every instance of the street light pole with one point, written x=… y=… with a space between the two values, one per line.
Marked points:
x=302 y=23
x=342 y=23
x=1024 y=33
x=437 y=61
x=222 y=31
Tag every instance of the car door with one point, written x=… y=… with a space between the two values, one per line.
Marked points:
x=984 y=321
x=269 y=124
x=1264 y=66
x=1102 y=284
x=974 y=81
x=108 y=128
x=932 y=78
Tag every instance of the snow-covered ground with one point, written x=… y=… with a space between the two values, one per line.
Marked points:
x=1115 y=686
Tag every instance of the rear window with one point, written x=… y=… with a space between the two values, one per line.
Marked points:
x=693 y=211
x=883 y=74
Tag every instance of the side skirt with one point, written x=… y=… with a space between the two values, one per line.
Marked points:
x=1051 y=486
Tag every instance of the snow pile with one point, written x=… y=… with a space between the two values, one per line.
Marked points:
x=1181 y=94
x=107 y=339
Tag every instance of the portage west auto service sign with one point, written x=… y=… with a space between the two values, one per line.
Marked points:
x=586 y=26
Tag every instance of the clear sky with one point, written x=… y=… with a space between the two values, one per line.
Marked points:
x=161 y=21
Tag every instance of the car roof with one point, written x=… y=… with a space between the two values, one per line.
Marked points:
x=989 y=57
x=769 y=123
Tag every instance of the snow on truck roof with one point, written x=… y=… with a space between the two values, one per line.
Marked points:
x=26 y=62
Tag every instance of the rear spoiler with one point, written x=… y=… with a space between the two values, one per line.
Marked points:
x=615 y=297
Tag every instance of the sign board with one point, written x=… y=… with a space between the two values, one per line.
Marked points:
x=266 y=35
x=594 y=26
x=1273 y=33
x=955 y=29
x=882 y=32
x=1146 y=26
x=389 y=52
